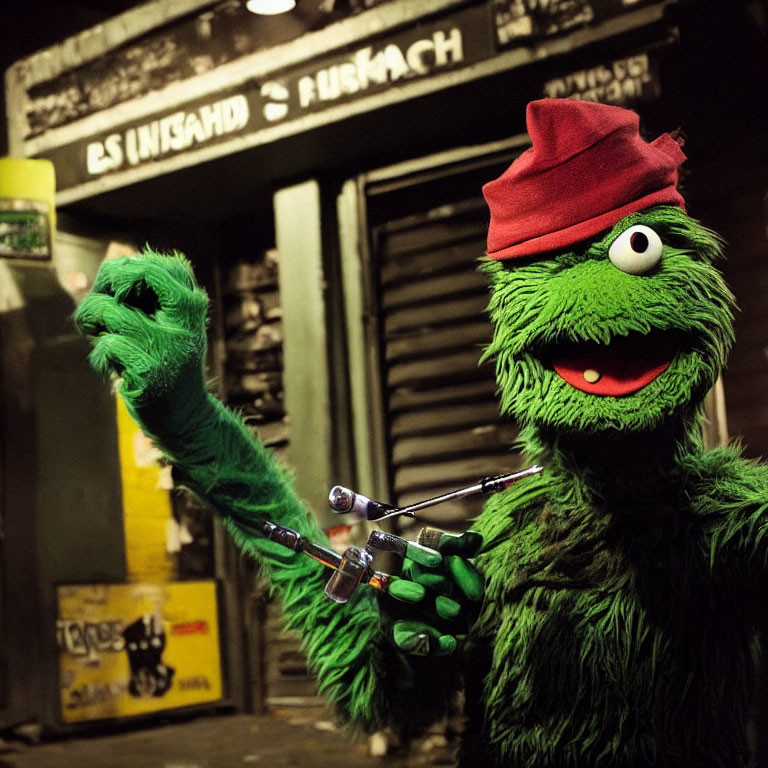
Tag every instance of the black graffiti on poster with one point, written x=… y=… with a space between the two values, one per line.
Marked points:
x=145 y=642
x=93 y=693
x=88 y=638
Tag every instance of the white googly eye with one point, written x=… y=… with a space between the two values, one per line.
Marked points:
x=636 y=250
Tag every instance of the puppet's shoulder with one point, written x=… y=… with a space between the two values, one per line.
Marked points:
x=508 y=513
x=721 y=479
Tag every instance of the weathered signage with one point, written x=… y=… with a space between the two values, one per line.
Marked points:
x=171 y=133
x=403 y=57
x=368 y=67
x=226 y=32
x=130 y=649
x=192 y=46
x=519 y=21
x=354 y=75
x=621 y=82
x=25 y=231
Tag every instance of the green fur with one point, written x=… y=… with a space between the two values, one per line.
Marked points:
x=621 y=584
x=620 y=616
x=581 y=297
x=626 y=601
x=147 y=320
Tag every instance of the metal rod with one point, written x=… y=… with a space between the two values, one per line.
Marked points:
x=411 y=509
x=325 y=556
x=354 y=566
x=294 y=541
x=297 y=543
x=486 y=485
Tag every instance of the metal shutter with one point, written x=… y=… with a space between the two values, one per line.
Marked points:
x=442 y=420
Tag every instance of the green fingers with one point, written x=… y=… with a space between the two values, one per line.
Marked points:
x=456 y=572
x=146 y=277
x=410 y=592
x=466 y=577
x=422 y=555
x=420 y=639
x=150 y=285
x=466 y=545
x=436 y=580
x=146 y=320
x=455 y=551
x=407 y=591
x=446 y=608
x=437 y=595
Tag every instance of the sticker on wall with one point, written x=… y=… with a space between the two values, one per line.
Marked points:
x=25 y=231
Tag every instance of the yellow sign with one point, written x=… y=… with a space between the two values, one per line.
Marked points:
x=131 y=649
x=31 y=180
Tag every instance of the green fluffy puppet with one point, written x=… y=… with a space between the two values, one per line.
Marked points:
x=615 y=621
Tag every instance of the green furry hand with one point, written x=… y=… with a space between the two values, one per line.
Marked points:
x=437 y=602
x=146 y=317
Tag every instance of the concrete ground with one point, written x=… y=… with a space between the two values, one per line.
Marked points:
x=220 y=741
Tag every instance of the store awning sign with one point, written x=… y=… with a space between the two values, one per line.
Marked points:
x=411 y=54
x=366 y=68
x=521 y=21
x=620 y=82
x=177 y=132
x=359 y=73
x=325 y=85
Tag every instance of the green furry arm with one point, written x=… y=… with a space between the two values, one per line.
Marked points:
x=146 y=316
x=358 y=667
x=730 y=497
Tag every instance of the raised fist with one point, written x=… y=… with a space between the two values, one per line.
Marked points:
x=146 y=318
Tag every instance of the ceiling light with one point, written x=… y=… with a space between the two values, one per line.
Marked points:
x=270 y=7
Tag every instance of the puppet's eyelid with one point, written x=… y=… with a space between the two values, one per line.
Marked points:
x=637 y=250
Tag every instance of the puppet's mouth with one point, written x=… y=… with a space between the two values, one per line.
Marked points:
x=625 y=365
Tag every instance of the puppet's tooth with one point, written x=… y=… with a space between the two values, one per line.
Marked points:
x=591 y=376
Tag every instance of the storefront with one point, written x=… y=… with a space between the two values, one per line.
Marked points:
x=323 y=174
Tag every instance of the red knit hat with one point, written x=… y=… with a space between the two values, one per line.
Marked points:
x=587 y=169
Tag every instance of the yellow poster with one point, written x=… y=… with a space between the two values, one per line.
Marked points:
x=147 y=515
x=131 y=649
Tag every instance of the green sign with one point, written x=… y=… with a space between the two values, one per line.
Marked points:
x=25 y=231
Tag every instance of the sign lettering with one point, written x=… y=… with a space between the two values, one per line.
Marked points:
x=169 y=134
x=400 y=57
x=89 y=639
x=619 y=82
x=519 y=21
x=365 y=68
x=299 y=92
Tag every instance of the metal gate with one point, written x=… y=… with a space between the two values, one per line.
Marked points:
x=425 y=230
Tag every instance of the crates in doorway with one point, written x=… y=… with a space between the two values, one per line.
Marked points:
x=254 y=347
x=253 y=369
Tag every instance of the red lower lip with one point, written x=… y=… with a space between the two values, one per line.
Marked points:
x=624 y=366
